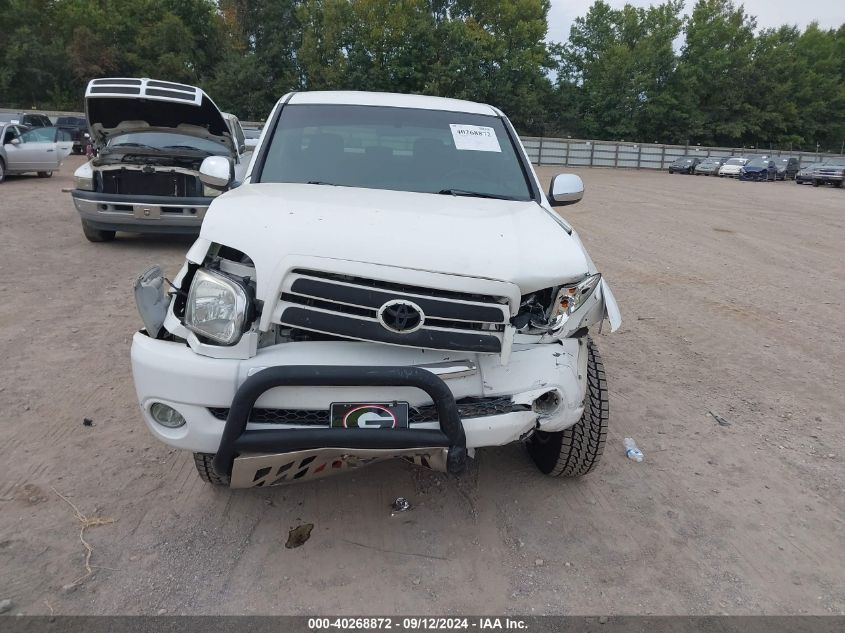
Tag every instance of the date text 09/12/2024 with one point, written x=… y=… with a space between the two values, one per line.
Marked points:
x=417 y=623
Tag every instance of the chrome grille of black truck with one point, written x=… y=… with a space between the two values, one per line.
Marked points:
x=349 y=307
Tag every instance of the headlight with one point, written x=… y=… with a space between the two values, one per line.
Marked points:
x=565 y=301
x=217 y=307
x=570 y=298
x=83 y=178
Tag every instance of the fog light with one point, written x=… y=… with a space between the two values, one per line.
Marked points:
x=548 y=403
x=166 y=416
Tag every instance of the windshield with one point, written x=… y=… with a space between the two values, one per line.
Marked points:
x=683 y=160
x=758 y=162
x=166 y=141
x=71 y=120
x=835 y=162
x=736 y=161
x=401 y=149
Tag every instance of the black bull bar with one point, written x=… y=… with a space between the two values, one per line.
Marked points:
x=236 y=439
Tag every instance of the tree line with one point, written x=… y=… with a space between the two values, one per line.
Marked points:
x=636 y=74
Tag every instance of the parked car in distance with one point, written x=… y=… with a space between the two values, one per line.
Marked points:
x=152 y=136
x=341 y=270
x=77 y=127
x=759 y=169
x=684 y=165
x=732 y=167
x=831 y=172
x=710 y=166
x=805 y=174
x=37 y=150
x=787 y=168
x=30 y=119
x=252 y=134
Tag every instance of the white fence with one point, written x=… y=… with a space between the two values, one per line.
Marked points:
x=584 y=153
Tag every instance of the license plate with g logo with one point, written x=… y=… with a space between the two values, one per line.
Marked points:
x=369 y=415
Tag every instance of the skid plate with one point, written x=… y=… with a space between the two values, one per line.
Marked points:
x=255 y=471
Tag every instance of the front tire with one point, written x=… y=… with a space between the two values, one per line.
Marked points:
x=575 y=451
x=2 y=171
x=96 y=235
x=206 y=472
x=45 y=174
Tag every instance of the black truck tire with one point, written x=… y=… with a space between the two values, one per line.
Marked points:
x=203 y=463
x=575 y=451
x=96 y=235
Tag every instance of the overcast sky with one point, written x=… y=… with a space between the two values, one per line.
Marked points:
x=828 y=13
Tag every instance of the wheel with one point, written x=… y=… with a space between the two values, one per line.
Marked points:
x=203 y=463
x=45 y=174
x=96 y=235
x=815 y=182
x=837 y=184
x=576 y=451
x=2 y=170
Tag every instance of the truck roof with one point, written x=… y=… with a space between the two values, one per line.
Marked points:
x=391 y=100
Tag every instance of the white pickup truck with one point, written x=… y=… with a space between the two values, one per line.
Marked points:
x=389 y=280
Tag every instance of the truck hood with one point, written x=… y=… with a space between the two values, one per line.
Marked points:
x=513 y=241
x=118 y=106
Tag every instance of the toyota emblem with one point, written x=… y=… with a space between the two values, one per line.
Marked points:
x=402 y=317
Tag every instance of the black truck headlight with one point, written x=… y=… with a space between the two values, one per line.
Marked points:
x=217 y=307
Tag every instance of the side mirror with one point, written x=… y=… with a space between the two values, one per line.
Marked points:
x=15 y=141
x=216 y=172
x=565 y=189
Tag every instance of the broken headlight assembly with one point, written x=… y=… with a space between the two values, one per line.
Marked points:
x=548 y=310
x=218 y=307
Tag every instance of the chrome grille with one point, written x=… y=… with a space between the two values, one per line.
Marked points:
x=348 y=307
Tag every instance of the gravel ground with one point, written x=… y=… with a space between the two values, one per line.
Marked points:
x=732 y=300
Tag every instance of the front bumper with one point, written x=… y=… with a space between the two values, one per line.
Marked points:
x=141 y=214
x=755 y=176
x=195 y=385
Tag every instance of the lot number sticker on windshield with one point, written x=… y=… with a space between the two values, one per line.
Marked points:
x=477 y=138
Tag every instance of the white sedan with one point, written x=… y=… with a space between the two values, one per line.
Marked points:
x=40 y=150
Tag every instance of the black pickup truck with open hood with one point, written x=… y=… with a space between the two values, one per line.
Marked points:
x=151 y=138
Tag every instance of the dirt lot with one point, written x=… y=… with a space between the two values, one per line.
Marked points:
x=732 y=299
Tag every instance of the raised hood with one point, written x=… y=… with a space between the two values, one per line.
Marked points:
x=517 y=242
x=116 y=106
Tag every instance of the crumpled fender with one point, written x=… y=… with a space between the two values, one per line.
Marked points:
x=611 y=308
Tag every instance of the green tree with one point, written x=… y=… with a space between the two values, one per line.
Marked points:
x=715 y=69
x=619 y=66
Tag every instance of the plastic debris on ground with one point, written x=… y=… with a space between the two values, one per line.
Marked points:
x=631 y=450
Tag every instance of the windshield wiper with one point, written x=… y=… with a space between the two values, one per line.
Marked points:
x=474 y=194
x=190 y=147
x=135 y=145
